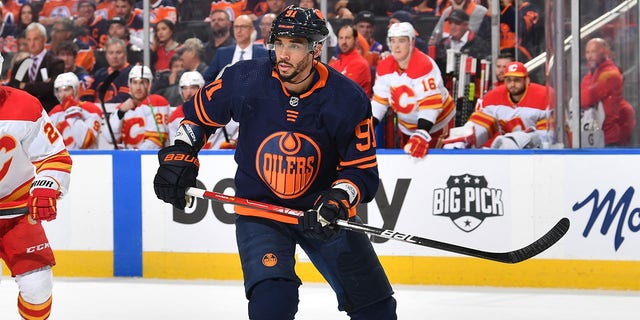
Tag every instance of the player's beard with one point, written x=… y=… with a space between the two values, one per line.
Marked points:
x=297 y=69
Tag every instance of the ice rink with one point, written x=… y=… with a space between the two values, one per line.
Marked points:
x=121 y=299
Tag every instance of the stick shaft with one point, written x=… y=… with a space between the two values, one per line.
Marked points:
x=515 y=256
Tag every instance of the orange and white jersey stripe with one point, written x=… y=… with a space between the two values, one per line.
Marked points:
x=30 y=148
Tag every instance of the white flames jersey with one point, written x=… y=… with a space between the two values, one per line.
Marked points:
x=498 y=114
x=215 y=141
x=78 y=124
x=143 y=127
x=415 y=93
x=30 y=148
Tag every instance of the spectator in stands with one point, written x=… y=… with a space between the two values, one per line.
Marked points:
x=12 y=7
x=8 y=43
x=191 y=10
x=276 y=6
x=220 y=34
x=425 y=109
x=423 y=8
x=479 y=21
x=159 y=10
x=531 y=20
x=95 y=26
x=67 y=51
x=124 y=9
x=26 y=16
x=503 y=59
x=118 y=90
x=404 y=16
x=341 y=11
x=36 y=73
x=265 y=28
x=78 y=122
x=332 y=40
x=118 y=30
x=62 y=30
x=256 y=8
x=166 y=82
x=461 y=40
x=349 y=62
x=603 y=84
x=54 y=9
x=366 y=26
x=244 y=49
x=106 y=9
x=191 y=53
x=140 y=121
x=164 y=45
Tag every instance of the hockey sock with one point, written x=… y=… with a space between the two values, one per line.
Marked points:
x=274 y=299
x=30 y=311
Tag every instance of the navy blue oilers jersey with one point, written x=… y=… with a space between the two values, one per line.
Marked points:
x=291 y=148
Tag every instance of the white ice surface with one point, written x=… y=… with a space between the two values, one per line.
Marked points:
x=125 y=298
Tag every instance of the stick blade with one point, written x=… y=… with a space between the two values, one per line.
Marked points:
x=542 y=244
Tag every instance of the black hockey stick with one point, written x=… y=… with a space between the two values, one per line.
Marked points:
x=102 y=90
x=533 y=249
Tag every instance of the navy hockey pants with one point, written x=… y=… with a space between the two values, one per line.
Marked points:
x=348 y=263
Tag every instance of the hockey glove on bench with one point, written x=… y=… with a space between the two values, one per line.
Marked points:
x=318 y=222
x=178 y=171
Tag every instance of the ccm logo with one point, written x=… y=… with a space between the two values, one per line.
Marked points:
x=38 y=247
x=182 y=157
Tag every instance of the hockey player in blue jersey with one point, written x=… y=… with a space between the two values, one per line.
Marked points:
x=306 y=142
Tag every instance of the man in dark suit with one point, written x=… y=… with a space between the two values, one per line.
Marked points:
x=36 y=73
x=244 y=49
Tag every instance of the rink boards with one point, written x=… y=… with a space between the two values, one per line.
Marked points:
x=111 y=224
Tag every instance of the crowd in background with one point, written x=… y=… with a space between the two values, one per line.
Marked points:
x=92 y=39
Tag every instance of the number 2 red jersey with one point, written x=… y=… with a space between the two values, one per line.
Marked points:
x=30 y=147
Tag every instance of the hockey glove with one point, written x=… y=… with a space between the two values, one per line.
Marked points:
x=178 y=171
x=42 y=199
x=71 y=108
x=318 y=222
x=418 y=144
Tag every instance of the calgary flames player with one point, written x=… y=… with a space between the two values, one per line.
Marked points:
x=512 y=116
x=34 y=173
x=410 y=82
x=140 y=122
x=190 y=82
x=77 y=121
x=306 y=141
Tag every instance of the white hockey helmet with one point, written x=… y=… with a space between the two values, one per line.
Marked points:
x=67 y=79
x=140 y=72
x=401 y=29
x=191 y=78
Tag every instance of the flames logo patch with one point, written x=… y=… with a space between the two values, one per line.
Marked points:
x=288 y=163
